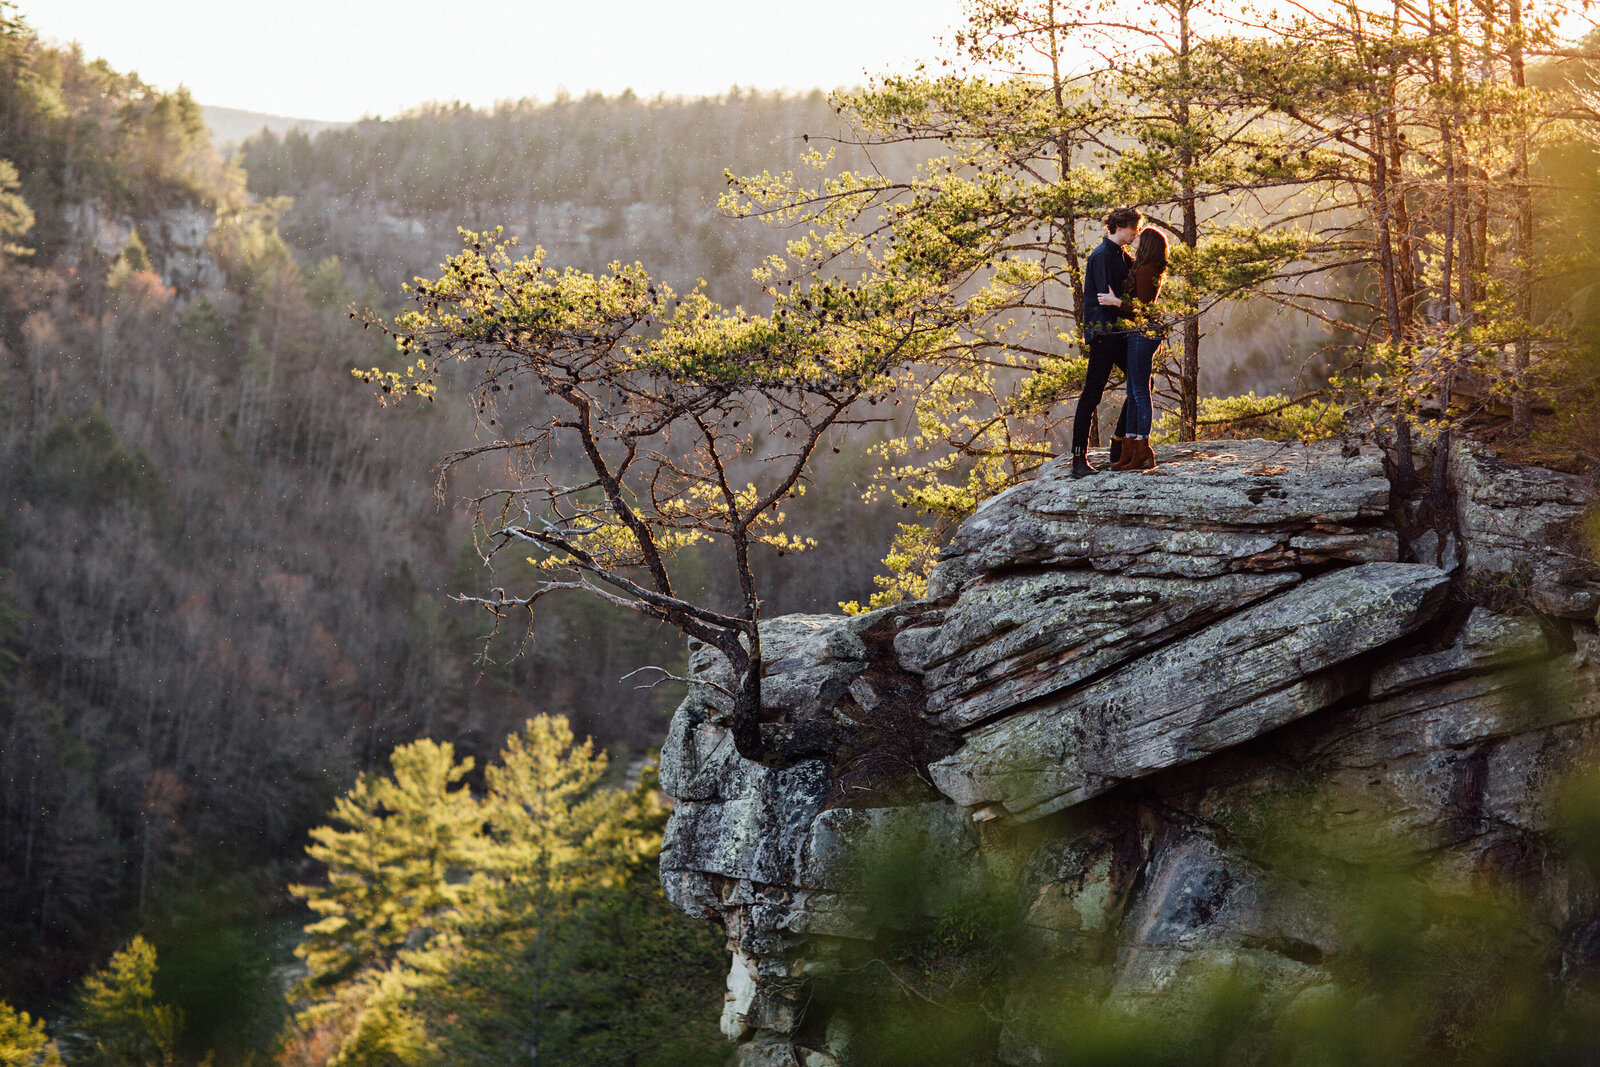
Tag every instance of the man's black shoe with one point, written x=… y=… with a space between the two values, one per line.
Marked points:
x=1081 y=467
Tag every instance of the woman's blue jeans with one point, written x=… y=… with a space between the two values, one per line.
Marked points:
x=1141 y=360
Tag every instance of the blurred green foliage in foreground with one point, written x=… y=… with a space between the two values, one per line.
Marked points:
x=1433 y=962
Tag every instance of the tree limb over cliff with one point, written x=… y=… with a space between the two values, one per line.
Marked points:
x=693 y=423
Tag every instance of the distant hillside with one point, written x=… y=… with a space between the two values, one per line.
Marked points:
x=229 y=126
x=592 y=179
x=224 y=577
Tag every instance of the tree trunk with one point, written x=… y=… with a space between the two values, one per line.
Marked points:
x=1455 y=248
x=1388 y=276
x=1521 y=234
x=1189 y=378
x=1189 y=372
x=775 y=744
x=747 y=711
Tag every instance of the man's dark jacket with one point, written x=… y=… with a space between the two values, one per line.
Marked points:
x=1107 y=269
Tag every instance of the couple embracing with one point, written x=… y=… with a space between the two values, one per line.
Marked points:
x=1119 y=293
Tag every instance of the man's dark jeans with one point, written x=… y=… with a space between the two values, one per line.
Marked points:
x=1106 y=350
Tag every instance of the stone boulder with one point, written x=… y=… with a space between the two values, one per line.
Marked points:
x=1018 y=638
x=1523 y=530
x=1207 y=509
x=1250 y=673
x=1127 y=696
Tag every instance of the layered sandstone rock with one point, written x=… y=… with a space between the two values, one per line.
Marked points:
x=1523 y=530
x=1124 y=674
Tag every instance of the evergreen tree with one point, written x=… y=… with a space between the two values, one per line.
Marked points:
x=16 y=218
x=1200 y=152
x=635 y=981
x=399 y=861
x=568 y=952
x=661 y=397
x=23 y=1042
x=395 y=867
x=117 y=1021
x=1348 y=128
x=558 y=943
x=553 y=836
x=992 y=232
x=1414 y=128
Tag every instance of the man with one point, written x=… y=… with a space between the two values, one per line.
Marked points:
x=1104 y=277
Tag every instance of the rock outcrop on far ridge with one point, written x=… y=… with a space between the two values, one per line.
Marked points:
x=1109 y=675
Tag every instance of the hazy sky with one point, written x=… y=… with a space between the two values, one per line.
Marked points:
x=340 y=59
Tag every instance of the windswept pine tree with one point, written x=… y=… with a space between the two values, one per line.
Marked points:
x=663 y=397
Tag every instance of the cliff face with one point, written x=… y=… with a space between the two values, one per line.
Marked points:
x=175 y=238
x=1112 y=676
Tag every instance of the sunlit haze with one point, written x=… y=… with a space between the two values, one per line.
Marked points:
x=342 y=59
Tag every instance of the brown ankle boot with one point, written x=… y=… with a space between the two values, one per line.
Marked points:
x=1146 y=459
x=1131 y=454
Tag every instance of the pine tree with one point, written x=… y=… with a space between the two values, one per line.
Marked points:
x=991 y=231
x=663 y=396
x=117 y=1021
x=1415 y=127
x=548 y=934
x=637 y=982
x=16 y=217
x=23 y=1042
x=553 y=835
x=398 y=864
x=1200 y=151
x=399 y=861
x=569 y=953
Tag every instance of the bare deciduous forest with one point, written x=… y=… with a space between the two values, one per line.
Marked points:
x=228 y=591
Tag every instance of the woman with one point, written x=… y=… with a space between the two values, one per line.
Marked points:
x=1144 y=286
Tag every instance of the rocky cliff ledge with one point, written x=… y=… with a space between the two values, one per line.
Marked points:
x=1115 y=672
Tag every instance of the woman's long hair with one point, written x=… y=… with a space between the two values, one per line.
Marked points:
x=1152 y=249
